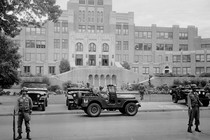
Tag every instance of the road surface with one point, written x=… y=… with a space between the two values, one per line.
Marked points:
x=111 y=126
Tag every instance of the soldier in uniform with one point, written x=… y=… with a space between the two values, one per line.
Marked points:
x=24 y=109
x=193 y=109
x=141 y=91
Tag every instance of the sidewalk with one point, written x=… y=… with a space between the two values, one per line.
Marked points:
x=53 y=109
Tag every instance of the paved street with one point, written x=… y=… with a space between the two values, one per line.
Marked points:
x=112 y=126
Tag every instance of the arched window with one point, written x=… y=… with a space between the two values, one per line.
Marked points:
x=92 y=47
x=79 y=47
x=105 y=47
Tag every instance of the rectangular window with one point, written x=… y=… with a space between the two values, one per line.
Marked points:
x=160 y=47
x=65 y=56
x=40 y=57
x=33 y=31
x=56 y=56
x=91 y=28
x=40 y=31
x=100 y=2
x=199 y=58
x=16 y=43
x=40 y=44
x=139 y=46
x=168 y=47
x=81 y=1
x=30 y=43
x=27 y=69
x=105 y=60
x=125 y=29
x=199 y=70
x=186 y=58
x=208 y=58
x=205 y=46
x=186 y=70
x=52 y=70
x=176 y=70
x=79 y=60
x=164 y=35
x=118 y=57
x=82 y=28
x=39 y=70
x=183 y=47
x=183 y=36
x=118 y=29
x=125 y=45
x=28 y=57
x=64 y=43
x=136 y=58
x=136 y=69
x=149 y=58
x=56 y=43
x=156 y=70
x=57 y=27
x=207 y=69
x=147 y=46
x=100 y=29
x=118 y=45
x=145 y=70
x=92 y=60
x=65 y=26
x=91 y=2
x=176 y=58
x=143 y=35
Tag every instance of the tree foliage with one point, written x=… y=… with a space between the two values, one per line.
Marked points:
x=64 y=66
x=15 y=14
x=126 y=65
x=9 y=62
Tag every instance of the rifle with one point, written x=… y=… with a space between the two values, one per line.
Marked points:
x=14 y=133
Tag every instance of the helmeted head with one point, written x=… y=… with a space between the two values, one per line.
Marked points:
x=24 y=90
x=193 y=87
x=100 y=88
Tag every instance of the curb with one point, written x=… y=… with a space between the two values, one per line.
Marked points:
x=81 y=112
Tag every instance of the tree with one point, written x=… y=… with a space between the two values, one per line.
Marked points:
x=9 y=62
x=64 y=66
x=126 y=65
x=15 y=14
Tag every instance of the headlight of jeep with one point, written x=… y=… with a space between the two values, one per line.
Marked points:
x=38 y=96
x=85 y=101
x=74 y=95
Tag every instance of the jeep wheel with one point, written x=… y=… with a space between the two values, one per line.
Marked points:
x=94 y=110
x=205 y=103
x=85 y=110
x=131 y=109
x=66 y=102
x=46 y=103
x=43 y=107
x=122 y=110
x=174 y=98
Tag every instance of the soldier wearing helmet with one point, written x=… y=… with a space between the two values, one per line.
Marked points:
x=24 y=109
x=193 y=109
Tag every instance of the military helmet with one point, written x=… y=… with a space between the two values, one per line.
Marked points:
x=193 y=86
x=24 y=89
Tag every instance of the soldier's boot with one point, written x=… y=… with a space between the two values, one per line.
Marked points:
x=189 y=129
x=28 y=136
x=19 y=136
x=197 y=129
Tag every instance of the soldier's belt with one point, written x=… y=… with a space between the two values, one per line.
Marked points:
x=27 y=111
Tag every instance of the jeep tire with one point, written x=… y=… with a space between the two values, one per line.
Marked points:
x=94 y=110
x=131 y=109
x=174 y=98
x=70 y=106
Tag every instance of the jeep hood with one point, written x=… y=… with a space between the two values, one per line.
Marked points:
x=126 y=96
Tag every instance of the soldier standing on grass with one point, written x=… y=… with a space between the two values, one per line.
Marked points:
x=24 y=109
x=193 y=109
x=141 y=91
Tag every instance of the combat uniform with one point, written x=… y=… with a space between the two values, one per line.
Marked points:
x=141 y=91
x=193 y=110
x=24 y=109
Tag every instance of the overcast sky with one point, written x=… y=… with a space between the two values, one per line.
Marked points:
x=165 y=13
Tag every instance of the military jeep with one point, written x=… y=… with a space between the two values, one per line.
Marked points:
x=180 y=93
x=73 y=97
x=39 y=97
x=93 y=104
